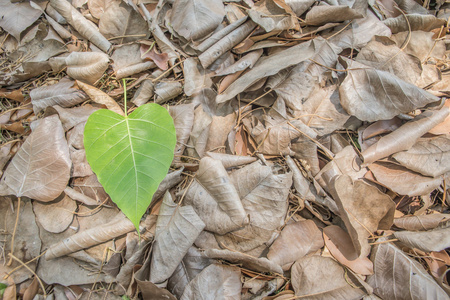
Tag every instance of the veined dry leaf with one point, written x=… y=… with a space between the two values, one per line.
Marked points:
x=444 y=126
x=323 y=278
x=123 y=23
x=16 y=17
x=71 y=117
x=403 y=181
x=120 y=225
x=436 y=239
x=160 y=59
x=230 y=161
x=397 y=276
x=176 y=230
x=56 y=216
x=273 y=15
x=406 y=136
x=295 y=241
x=372 y=95
x=200 y=132
x=353 y=199
x=215 y=282
x=167 y=90
x=215 y=199
x=192 y=264
x=195 y=19
x=219 y=130
x=264 y=199
x=323 y=14
x=258 y=264
x=195 y=77
x=86 y=66
x=340 y=245
x=81 y=24
x=420 y=44
x=415 y=22
x=299 y=6
x=143 y=94
x=41 y=168
x=63 y=94
x=381 y=127
x=421 y=223
x=98 y=7
x=183 y=119
x=247 y=61
x=428 y=156
x=100 y=97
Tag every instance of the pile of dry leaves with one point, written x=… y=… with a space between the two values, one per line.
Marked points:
x=312 y=158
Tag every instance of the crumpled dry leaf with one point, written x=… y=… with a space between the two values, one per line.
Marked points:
x=323 y=278
x=122 y=23
x=98 y=7
x=428 y=156
x=431 y=240
x=421 y=223
x=215 y=198
x=353 y=199
x=299 y=6
x=415 y=22
x=230 y=161
x=195 y=76
x=63 y=94
x=273 y=15
x=406 y=136
x=176 y=230
x=160 y=59
x=420 y=44
x=41 y=168
x=258 y=264
x=215 y=282
x=71 y=117
x=219 y=130
x=323 y=14
x=86 y=66
x=195 y=19
x=144 y=93
x=397 y=274
x=167 y=90
x=295 y=241
x=55 y=216
x=371 y=95
x=402 y=180
x=183 y=119
x=444 y=126
x=16 y=17
x=340 y=245
x=100 y=97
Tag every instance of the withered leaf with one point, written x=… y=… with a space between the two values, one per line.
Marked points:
x=55 y=216
x=16 y=17
x=420 y=223
x=86 y=66
x=436 y=239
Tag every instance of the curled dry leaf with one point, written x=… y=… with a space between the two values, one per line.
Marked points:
x=273 y=16
x=215 y=198
x=63 y=94
x=444 y=126
x=200 y=132
x=323 y=278
x=372 y=95
x=195 y=76
x=41 y=168
x=323 y=14
x=55 y=216
x=258 y=264
x=215 y=282
x=403 y=181
x=219 y=130
x=397 y=276
x=81 y=24
x=176 y=230
x=341 y=247
x=406 y=136
x=436 y=239
x=167 y=90
x=195 y=19
x=421 y=223
x=100 y=97
x=120 y=225
x=183 y=119
x=429 y=157
x=353 y=199
x=296 y=241
x=414 y=22
x=230 y=161
x=144 y=93
x=86 y=66
x=160 y=59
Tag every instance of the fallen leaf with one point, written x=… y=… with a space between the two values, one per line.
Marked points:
x=160 y=59
x=436 y=239
x=230 y=161
x=86 y=66
x=413 y=22
x=167 y=90
x=100 y=97
x=55 y=216
x=323 y=14
x=421 y=223
x=271 y=16
x=444 y=126
x=16 y=17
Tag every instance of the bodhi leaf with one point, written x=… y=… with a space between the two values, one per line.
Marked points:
x=130 y=154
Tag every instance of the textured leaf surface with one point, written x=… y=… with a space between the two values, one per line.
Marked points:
x=130 y=155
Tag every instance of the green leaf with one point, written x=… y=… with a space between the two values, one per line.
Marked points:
x=130 y=155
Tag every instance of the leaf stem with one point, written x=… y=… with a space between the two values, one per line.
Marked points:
x=125 y=96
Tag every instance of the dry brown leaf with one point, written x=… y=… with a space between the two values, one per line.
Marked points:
x=397 y=276
x=323 y=14
x=195 y=76
x=444 y=126
x=183 y=118
x=273 y=15
x=406 y=136
x=31 y=291
x=420 y=44
x=215 y=199
x=402 y=180
x=219 y=130
x=353 y=199
x=98 y=7
x=86 y=66
x=16 y=17
x=215 y=282
x=57 y=215
x=230 y=161
x=200 y=132
x=41 y=168
x=167 y=90
x=160 y=59
x=144 y=93
x=415 y=22
x=421 y=223
x=436 y=239
x=341 y=247
x=323 y=278
x=295 y=241
x=70 y=117
x=101 y=98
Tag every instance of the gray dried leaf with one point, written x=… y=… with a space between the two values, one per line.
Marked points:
x=230 y=161
x=200 y=132
x=176 y=230
x=87 y=66
x=167 y=90
x=195 y=76
x=399 y=276
x=144 y=93
x=41 y=168
x=63 y=94
x=273 y=16
x=436 y=239
x=299 y=6
x=16 y=17
x=195 y=19
x=71 y=117
x=183 y=118
x=421 y=223
x=55 y=216
x=415 y=22
x=218 y=131
x=323 y=14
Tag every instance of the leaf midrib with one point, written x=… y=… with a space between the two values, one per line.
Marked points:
x=134 y=163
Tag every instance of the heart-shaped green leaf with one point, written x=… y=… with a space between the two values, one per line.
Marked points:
x=130 y=155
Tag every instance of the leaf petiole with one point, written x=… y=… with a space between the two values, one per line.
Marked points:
x=125 y=97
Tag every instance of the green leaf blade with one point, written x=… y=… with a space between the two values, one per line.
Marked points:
x=130 y=155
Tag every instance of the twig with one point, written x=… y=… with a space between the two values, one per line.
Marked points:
x=14 y=233
x=29 y=269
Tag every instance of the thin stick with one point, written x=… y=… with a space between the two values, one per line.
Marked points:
x=167 y=71
x=29 y=269
x=14 y=232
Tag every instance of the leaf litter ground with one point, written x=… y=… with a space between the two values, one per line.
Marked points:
x=312 y=156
